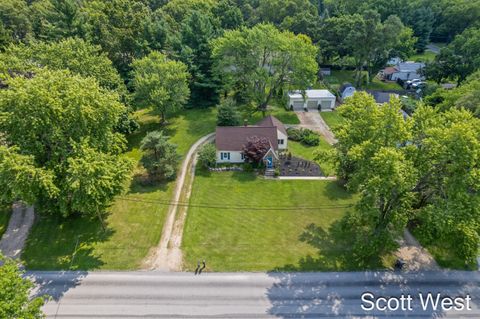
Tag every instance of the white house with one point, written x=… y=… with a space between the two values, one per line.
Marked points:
x=322 y=100
x=346 y=90
x=404 y=71
x=230 y=140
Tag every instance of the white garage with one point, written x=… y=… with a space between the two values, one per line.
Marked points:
x=322 y=100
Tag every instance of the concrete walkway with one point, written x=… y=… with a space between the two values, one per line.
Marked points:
x=313 y=121
x=308 y=178
x=13 y=240
x=168 y=255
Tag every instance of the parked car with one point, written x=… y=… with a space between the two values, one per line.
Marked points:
x=411 y=82
x=419 y=85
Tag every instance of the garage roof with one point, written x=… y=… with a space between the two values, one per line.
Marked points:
x=312 y=94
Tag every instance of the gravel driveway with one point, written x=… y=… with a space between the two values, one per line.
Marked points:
x=14 y=238
x=313 y=121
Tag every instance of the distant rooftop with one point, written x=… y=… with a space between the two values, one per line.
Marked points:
x=410 y=66
x=312 y=94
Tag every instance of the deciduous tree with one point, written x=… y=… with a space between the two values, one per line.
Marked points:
x=160 y=83
x=15 y=291
x=65 y=124
x=256 y=148
x=260 y=61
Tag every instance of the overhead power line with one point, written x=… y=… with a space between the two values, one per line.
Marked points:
x=235 y=207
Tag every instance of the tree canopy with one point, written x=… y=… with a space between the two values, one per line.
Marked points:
x=422 y=169
x=160 y=83
x=256 y=63
x=15 y=291
x=65 y=123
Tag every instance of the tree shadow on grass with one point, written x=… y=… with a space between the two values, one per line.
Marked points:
x=57 y=243
x=335 y=251
x=335 y=191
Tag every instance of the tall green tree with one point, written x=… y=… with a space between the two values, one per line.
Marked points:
x=160 y=83
x=197 y=31
x=160 y=158
x=118 y=26
x=15 y=301
x=74 y=54
x=458 y=60
x=14 y=16
x=366 y=39
x=66 y=124
x=259 y=62
x=422 y=169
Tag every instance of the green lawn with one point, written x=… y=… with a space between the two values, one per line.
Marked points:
x=307 y=152
x=240 y=222
x=426 y=56
x=134 y=221
x=333 y=119
x=285 y=116
x=5 y=212
x=338 y=77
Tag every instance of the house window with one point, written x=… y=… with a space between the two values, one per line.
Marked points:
x=243 y=156
x=280 y=142
x=225 y=156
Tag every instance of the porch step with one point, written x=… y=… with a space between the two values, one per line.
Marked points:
x=270 y=173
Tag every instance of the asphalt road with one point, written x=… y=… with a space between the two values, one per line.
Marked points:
x=246 y=295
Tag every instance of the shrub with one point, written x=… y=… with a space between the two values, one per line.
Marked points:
x=295 y=134
x=311 y=140
x=228 y=114
x=305 y=136
x=207 y=155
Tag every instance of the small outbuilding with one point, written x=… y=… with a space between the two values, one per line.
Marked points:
x=322 y=100
x=346 y=90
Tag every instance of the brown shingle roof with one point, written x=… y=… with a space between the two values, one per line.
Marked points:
x=272 y=121
x=233 y=138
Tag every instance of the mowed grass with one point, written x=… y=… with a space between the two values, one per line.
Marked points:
x=285 y=116
x=338 y=77
x=333 y=119
x=425 y=56
x=5 y=212
x=134 y=221
x=240 y=222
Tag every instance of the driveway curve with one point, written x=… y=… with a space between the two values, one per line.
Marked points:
x=167 y=256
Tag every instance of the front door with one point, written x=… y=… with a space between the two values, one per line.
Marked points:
x=269 y=162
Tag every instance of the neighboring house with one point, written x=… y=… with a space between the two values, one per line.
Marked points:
x=346 y=90
x=404 y=71
x=322 y=100
x=394 y=61
x=230 y=140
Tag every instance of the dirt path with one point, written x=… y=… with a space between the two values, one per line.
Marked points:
x=313 y=121
x=14 y=238
x=416 y=257
x=167 y=256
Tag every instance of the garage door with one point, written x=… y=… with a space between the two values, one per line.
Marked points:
x=312 y=104
x=298 y=105
x=326 y=105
